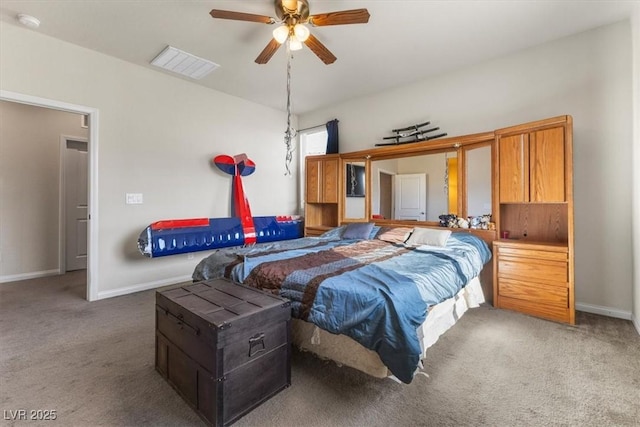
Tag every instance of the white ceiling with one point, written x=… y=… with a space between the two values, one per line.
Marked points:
x=404 y=41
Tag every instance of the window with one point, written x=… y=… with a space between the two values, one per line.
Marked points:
x=312 y=142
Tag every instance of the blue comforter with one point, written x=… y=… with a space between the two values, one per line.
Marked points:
x=375 y=292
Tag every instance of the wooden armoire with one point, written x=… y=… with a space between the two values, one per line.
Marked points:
x=321 y=193
x=533 y=253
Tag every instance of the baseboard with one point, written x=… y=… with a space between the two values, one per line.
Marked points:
x=604 y=311
x=27 y=276
x=142 y=287
x=636 y=323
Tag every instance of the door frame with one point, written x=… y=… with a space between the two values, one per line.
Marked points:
x=381 y=172
x=92 y=147
x=62 y=226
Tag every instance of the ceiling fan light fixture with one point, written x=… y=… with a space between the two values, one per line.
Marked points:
x=294 y=43
x=281 y=33
x=301 y=32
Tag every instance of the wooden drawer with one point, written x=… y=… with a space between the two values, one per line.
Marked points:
x=539 y=271
x=551 y=312
x=533 y=253
x=541 y=294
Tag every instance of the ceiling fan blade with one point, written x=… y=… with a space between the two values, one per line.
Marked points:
x=268 y=52
x=320 y=50
x=354 y=16
x=239 y=16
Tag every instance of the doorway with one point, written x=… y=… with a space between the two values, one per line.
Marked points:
x=91 y=240
x=74 y=203
x=385 y=180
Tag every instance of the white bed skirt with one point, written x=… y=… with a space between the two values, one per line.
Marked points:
x=345 y=351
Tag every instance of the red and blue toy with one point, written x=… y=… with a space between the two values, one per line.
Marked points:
x=178 y=236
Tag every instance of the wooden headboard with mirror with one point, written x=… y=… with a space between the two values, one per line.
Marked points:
x=521 y=175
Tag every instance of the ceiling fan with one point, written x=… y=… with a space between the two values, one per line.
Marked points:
x=293 y=14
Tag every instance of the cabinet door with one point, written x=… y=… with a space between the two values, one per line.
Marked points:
x=313 y=182
x=513 y=168
x=547 y=165
x=330 y=181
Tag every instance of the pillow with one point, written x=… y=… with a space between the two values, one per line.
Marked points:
x=428 y=236
x=358 y=230
x=374 y=231
x=394 y=234
x=334 y=232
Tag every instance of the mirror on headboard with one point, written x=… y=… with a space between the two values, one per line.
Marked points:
x=416 y=188
x=477 y=159
x=423 y=184
x=355 y=190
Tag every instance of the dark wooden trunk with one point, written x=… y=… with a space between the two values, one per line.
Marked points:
x=226 y=348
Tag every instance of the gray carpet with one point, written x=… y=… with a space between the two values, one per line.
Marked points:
x=93 y=364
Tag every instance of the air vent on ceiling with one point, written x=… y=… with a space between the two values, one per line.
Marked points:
x=184 y=63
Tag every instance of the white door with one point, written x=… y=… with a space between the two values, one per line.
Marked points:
x=411 y=196
x=76 y=193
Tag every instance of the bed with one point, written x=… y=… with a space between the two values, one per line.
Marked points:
x=368 y=297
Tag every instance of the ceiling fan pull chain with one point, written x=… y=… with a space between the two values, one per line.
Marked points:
x=289 y=133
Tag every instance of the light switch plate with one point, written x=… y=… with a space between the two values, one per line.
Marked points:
x=133 y=198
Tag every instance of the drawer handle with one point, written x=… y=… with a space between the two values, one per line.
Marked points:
x=254 y=342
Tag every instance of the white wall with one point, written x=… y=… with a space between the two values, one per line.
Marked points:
x=30 y=190
x=354 y=208
x=636 y=166
x=587 y=76
x=157 y=134
x=479 y=180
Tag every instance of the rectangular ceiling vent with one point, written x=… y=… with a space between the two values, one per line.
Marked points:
x=181 y=62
